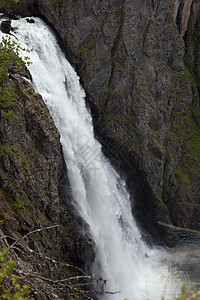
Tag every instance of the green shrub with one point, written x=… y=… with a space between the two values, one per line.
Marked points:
x=10 y=115
x=19 y=204
x=9 y=56
x=15 y=290
x=7 y=97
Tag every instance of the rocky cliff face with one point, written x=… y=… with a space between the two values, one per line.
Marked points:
x=139 y=63
x=34 y=186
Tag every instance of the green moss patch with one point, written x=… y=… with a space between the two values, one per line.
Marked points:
x=183 y=145
x=13 y=151
x=189 y=166
x=58 y=3
x=155 y=21
x=86 y=48
x=192 y=50
x=7 y=98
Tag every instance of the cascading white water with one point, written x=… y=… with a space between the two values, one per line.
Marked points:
x=122 y=258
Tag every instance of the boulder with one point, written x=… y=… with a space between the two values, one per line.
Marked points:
x=6 y=26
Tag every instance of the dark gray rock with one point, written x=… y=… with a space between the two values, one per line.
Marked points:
x=30 y=20
x=34 y=189
x=144 y=100
x=6 y=26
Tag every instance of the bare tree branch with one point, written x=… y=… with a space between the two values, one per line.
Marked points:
x=82 y=286
x=179 y=228
x=31 y=232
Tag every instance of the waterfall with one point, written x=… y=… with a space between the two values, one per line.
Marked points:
x=99 y=194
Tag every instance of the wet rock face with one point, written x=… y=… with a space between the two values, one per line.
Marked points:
x=143 y=93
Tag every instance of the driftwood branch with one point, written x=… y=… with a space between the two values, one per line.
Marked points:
x=179 y=228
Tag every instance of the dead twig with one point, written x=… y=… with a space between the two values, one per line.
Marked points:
x=84 y=285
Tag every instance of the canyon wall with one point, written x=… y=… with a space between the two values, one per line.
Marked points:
x=35 y=195
x=139 y=64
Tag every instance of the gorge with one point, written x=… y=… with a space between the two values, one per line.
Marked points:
x=145 y=149
x=141 y=80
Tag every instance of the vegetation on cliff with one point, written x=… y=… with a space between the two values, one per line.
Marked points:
x=34 y=191
x=142 y=81
x=139 y=73
x=16 y=291
x=8 y=3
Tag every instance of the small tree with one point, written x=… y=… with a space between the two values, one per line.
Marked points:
x=10 y=56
